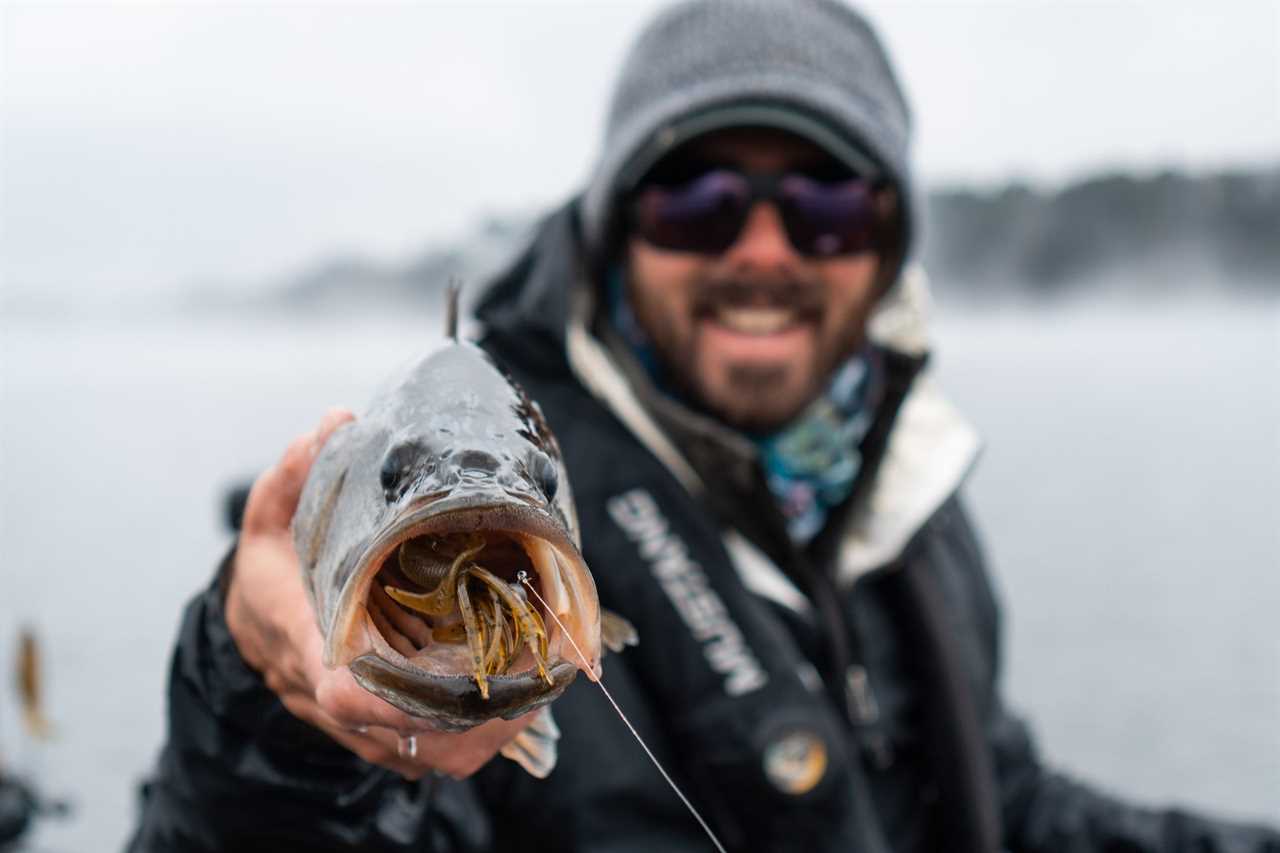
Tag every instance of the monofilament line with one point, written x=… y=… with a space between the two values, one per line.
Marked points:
x=524 y=579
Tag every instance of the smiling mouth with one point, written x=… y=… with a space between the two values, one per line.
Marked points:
x=756 y=320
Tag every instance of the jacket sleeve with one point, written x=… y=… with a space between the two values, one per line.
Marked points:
x=1046 y=811
x=238 y=771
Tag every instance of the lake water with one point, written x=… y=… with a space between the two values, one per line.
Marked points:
x=1129 y=496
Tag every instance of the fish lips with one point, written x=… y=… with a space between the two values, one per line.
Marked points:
x=452 y=702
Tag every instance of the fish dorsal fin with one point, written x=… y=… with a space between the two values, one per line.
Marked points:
x=451 y=310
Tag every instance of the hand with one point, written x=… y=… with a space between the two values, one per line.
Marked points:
x=274 y=628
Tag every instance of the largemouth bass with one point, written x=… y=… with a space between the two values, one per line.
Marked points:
x=421 y=530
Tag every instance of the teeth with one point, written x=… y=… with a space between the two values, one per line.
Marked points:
x=756 y=321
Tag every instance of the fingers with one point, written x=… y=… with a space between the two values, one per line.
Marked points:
x=463 y=753
x=352 y=715
x=351 y=706
x=456 y=754
x=267 y=609
x=376 y=746
x=274 y=496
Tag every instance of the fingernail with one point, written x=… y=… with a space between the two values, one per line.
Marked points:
x=408 y=746
x=360 y=730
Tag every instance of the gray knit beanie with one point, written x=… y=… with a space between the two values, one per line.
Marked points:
x=812 y=67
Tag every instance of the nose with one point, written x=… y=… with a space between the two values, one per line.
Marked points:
x=763 y=245
x=477 y=461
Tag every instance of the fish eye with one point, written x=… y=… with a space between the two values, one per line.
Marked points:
x=397 y=466
x=545 y=475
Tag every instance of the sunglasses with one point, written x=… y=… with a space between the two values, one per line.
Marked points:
x=706 y=213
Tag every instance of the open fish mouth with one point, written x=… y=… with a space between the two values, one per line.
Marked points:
x=441 y=620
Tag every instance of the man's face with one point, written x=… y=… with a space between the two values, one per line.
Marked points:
x=752 y=334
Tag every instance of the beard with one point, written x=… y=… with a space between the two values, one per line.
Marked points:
x=753 y=396
x=757 y=401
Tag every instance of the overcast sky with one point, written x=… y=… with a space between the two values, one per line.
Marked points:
x=146 y=146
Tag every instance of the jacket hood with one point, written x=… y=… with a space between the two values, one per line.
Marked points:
x=529 y=302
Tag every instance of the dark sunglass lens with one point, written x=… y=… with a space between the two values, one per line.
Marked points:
x=825 y=219
x=703 y=215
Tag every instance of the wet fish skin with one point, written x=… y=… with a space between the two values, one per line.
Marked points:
x=449 y=446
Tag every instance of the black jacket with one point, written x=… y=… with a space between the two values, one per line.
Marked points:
x=843 y=697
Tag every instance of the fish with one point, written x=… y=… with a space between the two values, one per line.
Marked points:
x=422 y=529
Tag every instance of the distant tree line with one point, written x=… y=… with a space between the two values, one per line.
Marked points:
x=1169 y=232
x=1144 y=230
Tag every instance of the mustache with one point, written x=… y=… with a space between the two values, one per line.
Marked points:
x=806 y=298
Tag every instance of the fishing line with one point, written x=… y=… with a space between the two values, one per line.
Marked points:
x=523 y=577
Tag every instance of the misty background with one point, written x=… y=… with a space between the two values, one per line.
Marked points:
x=216 y=221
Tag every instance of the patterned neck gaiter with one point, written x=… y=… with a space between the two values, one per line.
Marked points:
x=810 y=464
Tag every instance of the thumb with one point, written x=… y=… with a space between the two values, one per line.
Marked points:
x=275 y=494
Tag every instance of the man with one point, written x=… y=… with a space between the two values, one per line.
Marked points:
x=723 y=335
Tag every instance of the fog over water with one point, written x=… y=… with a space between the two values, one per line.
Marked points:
x=148 y=145
x=1128 y=496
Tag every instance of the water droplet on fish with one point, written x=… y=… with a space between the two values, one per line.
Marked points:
x=408 y=746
